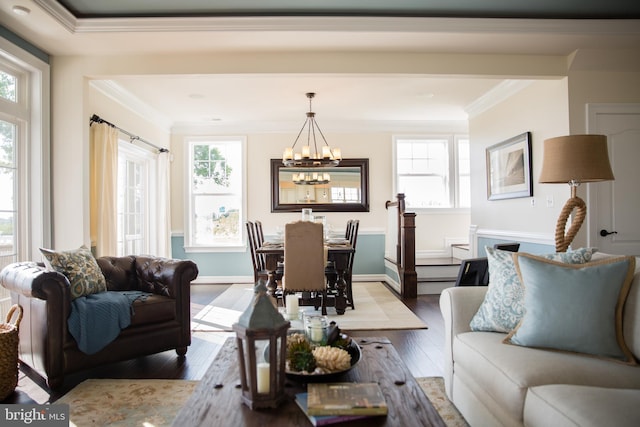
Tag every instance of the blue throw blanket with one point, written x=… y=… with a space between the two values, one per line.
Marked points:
x=97 y=319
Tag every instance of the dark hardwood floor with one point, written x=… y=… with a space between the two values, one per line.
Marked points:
x=421 y=350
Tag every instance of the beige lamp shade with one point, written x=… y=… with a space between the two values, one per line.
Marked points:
x=578 y=158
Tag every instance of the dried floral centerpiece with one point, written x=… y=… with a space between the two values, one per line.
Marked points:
x=306 y=358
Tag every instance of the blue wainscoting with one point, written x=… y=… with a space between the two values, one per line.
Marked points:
x=369 y=258
x=532 y=248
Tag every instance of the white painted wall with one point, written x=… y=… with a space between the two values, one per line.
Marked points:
x=542 y=109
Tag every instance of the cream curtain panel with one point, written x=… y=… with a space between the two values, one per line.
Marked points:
x=104 y=188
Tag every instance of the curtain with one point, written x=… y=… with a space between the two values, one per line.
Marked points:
x=163 y=213
x=104 y=189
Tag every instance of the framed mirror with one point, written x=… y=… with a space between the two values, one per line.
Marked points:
x=345 y=188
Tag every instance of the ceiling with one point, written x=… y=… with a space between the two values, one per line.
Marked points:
x=450 y=8
x=124 y=27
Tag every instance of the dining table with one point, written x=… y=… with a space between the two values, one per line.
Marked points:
x=338 y=252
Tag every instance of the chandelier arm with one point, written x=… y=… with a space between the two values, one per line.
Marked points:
x=300 y=133
x=314 y=125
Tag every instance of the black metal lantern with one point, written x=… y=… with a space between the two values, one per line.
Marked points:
x=261 y=337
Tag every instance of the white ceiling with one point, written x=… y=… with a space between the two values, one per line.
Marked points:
x=277 y=98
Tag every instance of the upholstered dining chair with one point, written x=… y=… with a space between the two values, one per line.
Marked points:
x=305 y=258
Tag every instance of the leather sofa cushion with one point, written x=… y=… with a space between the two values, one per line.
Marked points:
x=505 y=372
x=153 y=309
x=562 y=405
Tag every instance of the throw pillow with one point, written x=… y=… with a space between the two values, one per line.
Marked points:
x=80 y=267
x=575 y=308
x=502 y=307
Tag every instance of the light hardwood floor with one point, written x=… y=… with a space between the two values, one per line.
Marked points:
x=421 y=350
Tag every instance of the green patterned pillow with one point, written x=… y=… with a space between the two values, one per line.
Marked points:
x=502 y=307
x=80 y=267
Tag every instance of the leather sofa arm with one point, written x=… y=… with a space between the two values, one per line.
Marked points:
x=33 y=280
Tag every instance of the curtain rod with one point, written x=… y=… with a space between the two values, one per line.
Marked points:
x=95 y=118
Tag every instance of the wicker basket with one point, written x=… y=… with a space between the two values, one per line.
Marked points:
x=9 y=353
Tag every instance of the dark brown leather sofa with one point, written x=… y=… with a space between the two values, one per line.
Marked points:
x=161 y=322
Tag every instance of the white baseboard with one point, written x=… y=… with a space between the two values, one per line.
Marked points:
x=249 y=279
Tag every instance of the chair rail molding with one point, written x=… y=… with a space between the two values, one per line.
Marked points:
x=475 y=233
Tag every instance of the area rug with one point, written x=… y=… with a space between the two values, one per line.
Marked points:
x=126 y=403
x=145 y=403
x=376 y=309
x=433 y=387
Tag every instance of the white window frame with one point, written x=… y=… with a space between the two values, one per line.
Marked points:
x=189 y=245
x=31 y=115
x=128 y=151
x=453 y=185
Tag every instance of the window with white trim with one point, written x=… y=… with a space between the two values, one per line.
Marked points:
x=216 y=192
x=433 y=171
x=24 y=140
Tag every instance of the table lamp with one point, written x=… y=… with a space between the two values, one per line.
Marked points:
x=574 y=159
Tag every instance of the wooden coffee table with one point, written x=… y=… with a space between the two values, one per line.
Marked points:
x=217 y=399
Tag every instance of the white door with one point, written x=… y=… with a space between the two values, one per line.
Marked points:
x=614 y=206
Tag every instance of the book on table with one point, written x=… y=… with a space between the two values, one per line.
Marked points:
x=324 y=420
x=345 y=399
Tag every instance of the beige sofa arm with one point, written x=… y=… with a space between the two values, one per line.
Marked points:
x=458 y=306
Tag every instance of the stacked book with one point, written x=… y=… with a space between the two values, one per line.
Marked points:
x=331 y=403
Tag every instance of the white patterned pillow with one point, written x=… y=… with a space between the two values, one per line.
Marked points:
x=503 y=307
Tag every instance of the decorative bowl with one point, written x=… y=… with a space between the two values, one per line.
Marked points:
x=354 y=351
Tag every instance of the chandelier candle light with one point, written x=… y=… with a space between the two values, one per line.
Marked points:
x=327 y=157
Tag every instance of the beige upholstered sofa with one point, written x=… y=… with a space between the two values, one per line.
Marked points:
x=494 y=384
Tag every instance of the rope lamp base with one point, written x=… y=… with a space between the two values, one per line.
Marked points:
x=564 y=240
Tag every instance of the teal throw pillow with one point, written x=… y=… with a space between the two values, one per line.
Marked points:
x=502 y=307
x=80 y=267
x=575 y=308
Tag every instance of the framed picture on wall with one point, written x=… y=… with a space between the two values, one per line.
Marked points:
x=509 y=168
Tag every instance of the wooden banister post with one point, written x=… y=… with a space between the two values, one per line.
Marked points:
x=409 y=285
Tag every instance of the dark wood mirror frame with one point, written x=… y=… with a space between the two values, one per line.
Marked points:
x=362 y=206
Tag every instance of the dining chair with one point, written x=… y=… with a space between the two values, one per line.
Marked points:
x=259 y=232
x=353 y=240
x=304 y=260
x=259 y=267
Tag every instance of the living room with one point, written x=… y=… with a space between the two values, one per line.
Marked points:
x=559 y=88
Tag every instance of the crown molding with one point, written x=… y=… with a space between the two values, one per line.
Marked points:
x=129 y=101
x=496 y=95
x=337 y=23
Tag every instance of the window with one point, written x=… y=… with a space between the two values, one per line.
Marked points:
x=433 y=172
x=24 y=163
x=8 y=188
x=216 y=193
x=134 y=198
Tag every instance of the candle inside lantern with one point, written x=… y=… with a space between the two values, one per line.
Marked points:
x=292 y=304
x=263 y=377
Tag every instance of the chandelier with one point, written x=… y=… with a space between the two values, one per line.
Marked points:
x=311 y=178
x=327 y=157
